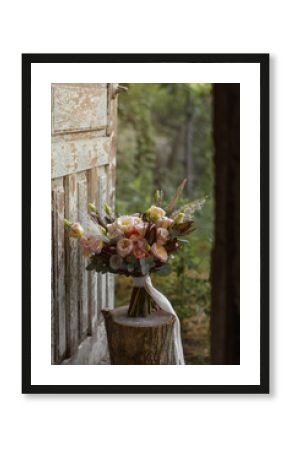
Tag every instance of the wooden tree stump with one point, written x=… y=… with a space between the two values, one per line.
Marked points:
x=139 y=340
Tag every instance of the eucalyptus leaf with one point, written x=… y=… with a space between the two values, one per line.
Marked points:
x=145 y=267
x=91 y=266
x=163 y=270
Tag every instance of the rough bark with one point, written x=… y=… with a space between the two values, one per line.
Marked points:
x=225 y=271
x=139 y=341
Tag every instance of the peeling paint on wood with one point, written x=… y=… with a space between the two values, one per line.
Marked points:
x=110 y=290
x=58 y=269
x=93 y=350
x=77 y=156
x=83 y=274
x=77 y=107
x=72 y=266
x=84 y=120
x=93 y=277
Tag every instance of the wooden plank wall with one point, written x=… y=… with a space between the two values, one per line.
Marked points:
x=83 y=170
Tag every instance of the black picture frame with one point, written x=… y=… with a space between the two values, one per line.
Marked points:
x=263 y=61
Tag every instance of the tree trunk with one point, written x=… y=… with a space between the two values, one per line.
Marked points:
x=139 y=340
x=189 y=142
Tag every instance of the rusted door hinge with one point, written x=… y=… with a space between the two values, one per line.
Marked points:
x=117 y=89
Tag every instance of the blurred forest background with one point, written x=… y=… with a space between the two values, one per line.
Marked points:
x=164 y=136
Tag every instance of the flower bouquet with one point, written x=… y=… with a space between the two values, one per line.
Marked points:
x=136 y=245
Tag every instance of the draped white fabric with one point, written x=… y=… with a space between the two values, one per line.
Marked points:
x=164 y=304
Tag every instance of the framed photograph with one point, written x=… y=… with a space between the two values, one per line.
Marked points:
x=145 y=223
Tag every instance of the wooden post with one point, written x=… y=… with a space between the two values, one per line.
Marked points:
x=139 y=340
x=225 y=270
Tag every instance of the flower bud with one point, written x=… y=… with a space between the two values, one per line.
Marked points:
x=67 y=223
x=76 y=230
x=107 y=210
x=92 y=208
x=179 y=218
x=158 y=197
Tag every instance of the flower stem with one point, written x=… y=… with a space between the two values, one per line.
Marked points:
x=141 y=304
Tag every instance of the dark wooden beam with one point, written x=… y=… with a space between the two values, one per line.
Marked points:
x=225 y=271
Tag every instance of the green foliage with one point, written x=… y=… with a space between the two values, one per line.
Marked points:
x=152 y=155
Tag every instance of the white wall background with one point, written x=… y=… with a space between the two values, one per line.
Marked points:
x=73 y=422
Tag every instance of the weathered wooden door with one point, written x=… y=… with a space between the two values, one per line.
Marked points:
x=83 y=170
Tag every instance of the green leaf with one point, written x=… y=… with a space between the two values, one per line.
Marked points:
x=145 y=267
x=130 y=268
x=91 y=266
x=163 y=270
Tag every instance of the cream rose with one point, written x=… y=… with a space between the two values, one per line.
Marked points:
x=114 y=231
x=124 y=223
x=162 y=235
x=155 y=213
x=164 y=222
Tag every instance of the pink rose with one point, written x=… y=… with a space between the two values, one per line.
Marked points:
x=137 y=231
x=91 y=245
x=162 y=235
x=124 y=247
x=95 y=245
x=164 y=222
x=85 y=246
x=139 y=251
x=159 y=252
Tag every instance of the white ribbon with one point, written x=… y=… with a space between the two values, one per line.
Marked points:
x=165 y=305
